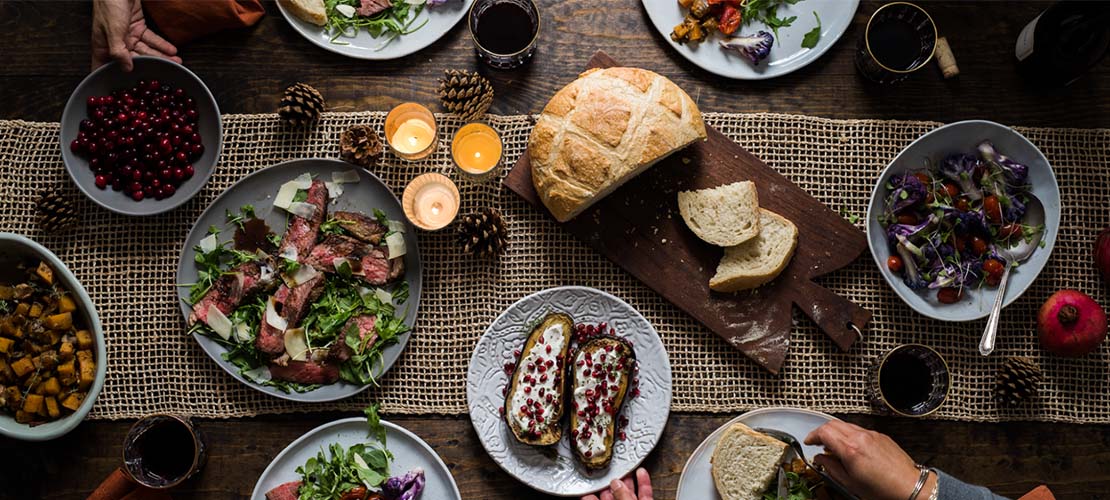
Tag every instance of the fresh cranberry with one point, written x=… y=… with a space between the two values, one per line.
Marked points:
x=101 y=181
x=137 y=195
x=168 y=190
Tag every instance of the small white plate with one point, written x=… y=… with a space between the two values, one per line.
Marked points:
x=554 y=470
x=440 y=19
x=696 y=481
x=787 y=55
x=409 y=452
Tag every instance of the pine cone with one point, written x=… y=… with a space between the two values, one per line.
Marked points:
x=55 y=212
x=301 y=105
x=361 y=146
x=1017 y=380
x=482 y=233
x=466 y=94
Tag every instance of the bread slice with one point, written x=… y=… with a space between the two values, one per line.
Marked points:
x=745 y=463
x=725 y=215
x=759 y=259
x=309 y=11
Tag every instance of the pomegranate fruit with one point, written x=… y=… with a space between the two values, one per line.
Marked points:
x=1102 y=254
x=141 y=141
x=1070 y=323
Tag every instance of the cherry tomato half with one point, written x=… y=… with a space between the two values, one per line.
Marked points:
x=993 y=209
x=924 y=178
x=978 y=245
x=960 y=243
x=962 y=205
x=1010 y=230
x=951 y=189
x=993 y=267
x=729 y=21
x=894 y=263
x=950 y=295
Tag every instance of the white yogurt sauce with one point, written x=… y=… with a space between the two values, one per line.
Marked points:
x=593 y=431
x=539 y=375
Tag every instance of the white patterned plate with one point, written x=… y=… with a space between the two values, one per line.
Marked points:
x=555 y=471
x=696 y=482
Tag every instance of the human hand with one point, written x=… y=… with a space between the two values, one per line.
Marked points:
x=868 y=463
x=625 y=489
x=119 y=32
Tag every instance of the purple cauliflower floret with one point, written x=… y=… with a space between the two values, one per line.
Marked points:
x=1016 y=173
x=911 y=277
x=1014 y=210
x=754 y=47
x=893 y=231
x=960 y=168
x=908 y=190
x=407 y=487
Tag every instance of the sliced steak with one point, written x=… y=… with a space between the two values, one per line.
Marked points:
x=305 y=372
x=333 y=247
x=361 y=226
x=301 y=233
x=340 y=351
x=291 y=304
x=379 y=269
x=371 y=7
x=286 y=491
x=230 y=289
x=271 y=340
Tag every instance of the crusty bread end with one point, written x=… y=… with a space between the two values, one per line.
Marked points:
x=745 y=463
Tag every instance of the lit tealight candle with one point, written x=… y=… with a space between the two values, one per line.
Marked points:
x=431 y=201
x=476 y=150
x=411 y=132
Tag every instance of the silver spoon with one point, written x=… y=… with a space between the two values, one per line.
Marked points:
x=793 y=443
x=1034 y=216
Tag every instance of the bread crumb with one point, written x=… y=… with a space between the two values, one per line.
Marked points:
x=663 y=241
x=685 y=160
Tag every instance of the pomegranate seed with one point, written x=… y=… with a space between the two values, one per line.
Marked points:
x=549 y=349
x=622 y=436
x=501 y=410
x=527 y=389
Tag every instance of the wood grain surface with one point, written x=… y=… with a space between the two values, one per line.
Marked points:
x=639 y=227
x=44 y=53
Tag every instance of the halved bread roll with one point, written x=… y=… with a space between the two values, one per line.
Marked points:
x=309 y=11
x=725 y=215
x=745 y=463
x=760 y=259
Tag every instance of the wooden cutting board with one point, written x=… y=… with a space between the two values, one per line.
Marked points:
x=639 y=228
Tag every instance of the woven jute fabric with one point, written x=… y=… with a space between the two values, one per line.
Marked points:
x=128 y=266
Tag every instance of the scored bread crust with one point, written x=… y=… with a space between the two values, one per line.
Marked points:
x=759 y=479
x=602 y=130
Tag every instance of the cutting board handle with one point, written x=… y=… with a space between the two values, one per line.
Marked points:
x=839 y=318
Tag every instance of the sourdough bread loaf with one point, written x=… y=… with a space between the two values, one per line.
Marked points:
x=603 y=129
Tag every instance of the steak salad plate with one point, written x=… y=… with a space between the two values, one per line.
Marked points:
x=315 y=312
x=615 y=405
x=410 y=457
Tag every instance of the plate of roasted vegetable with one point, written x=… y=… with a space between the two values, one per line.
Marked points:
x=302 y=280
x=52 y=354
x=357 y=459
x=944 y=213
x=568 y=389
x=751 y=39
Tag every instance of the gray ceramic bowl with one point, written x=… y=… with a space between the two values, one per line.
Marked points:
x=14 y=248
x=111 y=77
x=929 y=149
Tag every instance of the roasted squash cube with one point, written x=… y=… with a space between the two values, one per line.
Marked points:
x=23 y=366
x=51 y=387
x=86 y=369
x=60 y=321
x=13 y=398
x=73 y=401
x=67 y=372
x=6 y=373
x=6 y=345
x=22 y=309
x=52 y=408
x=23 y=417
x=84 y=339
x=33 y=403
x=45 y=273
x=36 y=310
x=66 y=350
x=66 y=304
x=8 y=328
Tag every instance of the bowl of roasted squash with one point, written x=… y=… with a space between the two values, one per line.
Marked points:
x=52 y=356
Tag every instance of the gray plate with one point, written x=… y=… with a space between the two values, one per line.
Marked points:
x=109 y=78
x=696 y=482
x=961 y=137
x=409 y=451
x=258 y=189
x=560 y=473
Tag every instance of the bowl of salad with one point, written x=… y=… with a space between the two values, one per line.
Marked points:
x=944 y=208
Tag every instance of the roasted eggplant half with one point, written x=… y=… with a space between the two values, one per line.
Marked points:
x=600 y=372
x=534 y=398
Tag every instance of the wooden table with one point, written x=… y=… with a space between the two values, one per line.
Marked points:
x=44 y=54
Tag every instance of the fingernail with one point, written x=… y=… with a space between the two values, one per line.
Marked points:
x=616 y=485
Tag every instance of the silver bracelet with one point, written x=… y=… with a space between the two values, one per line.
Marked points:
x=936 y=487
x=921 y=479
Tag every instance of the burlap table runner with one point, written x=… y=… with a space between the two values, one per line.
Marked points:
x=128 y=264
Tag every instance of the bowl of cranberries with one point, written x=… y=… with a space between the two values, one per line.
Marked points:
x=143 y=142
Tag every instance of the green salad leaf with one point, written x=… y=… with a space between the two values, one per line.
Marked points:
x=392 y=22
x=334 y=471
x=811 y=38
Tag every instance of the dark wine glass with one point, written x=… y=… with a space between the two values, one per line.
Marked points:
x=162 y=451
x=505 y=32
x=911 y=380
x=899 y=39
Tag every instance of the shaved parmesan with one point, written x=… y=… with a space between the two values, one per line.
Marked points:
x=285 y=195
x=346 y=10
x=303 y=181
x=259 y=375
x=242 y=332
x=360 y=461
x=289 y=253
x=396 y=244
x=395 y=226
x=384 y=296
x=363 y=291
x=266 y=272
x=302 y=209
x=335 y=190
x=209 y=243
x=295 y=344
x=219 y=322
x=273 y=318
x=301 y=275
x=353 y=265
x=345 y=177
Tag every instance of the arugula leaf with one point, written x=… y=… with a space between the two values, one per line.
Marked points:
x=374 y=423
x=811 y=38
x=333 y=472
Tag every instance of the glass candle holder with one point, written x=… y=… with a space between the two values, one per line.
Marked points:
x=900 y=38
x=431 y=201
x=505 y=32
x=911 y=380
x=476 y=151
x=411 y=131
